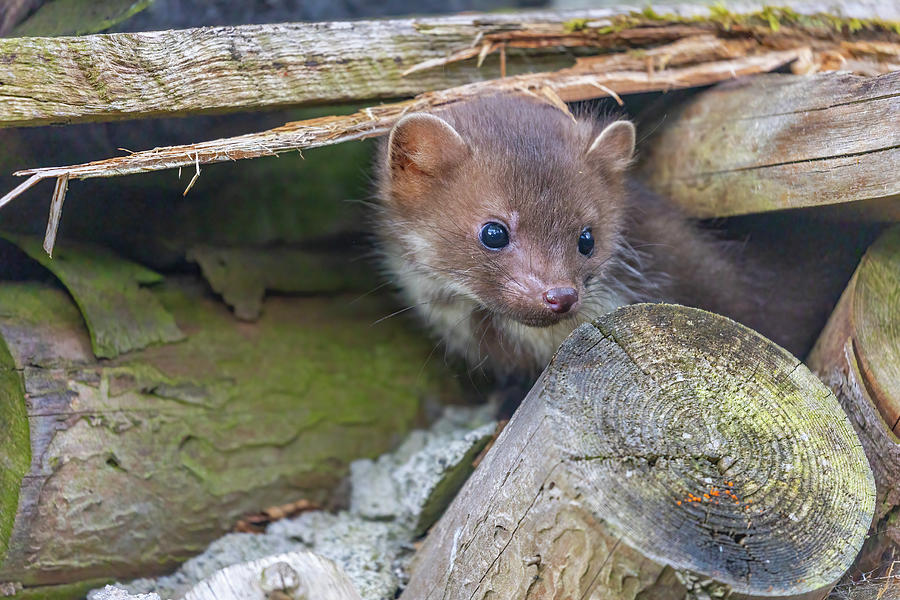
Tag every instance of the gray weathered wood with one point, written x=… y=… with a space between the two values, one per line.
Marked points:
x=67 y=79
x=663 y=449
x=53 y=80
x=858 y=356
x=780 y=141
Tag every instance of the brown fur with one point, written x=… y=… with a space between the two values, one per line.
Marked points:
x=527 y=164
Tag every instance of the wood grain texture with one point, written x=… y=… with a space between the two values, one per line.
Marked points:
x=664 y=449
x=779 y=141
x=868 y=316
x=858 y=356
x=100 y=77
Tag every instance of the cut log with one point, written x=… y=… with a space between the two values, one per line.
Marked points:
x=126 y=75
x=858 y=356
x=186 y=437
x=791 y=142
x=664 y=450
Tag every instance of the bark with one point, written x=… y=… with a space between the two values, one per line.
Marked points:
x=858 y=356
x=665 y=450
x=138 y=462
x=127 y=75
x=791 y=142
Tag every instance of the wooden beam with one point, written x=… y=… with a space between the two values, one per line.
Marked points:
x=779 y=141
x=170 y=73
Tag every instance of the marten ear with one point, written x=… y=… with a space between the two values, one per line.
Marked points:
x=423 y=143
x=615 y=145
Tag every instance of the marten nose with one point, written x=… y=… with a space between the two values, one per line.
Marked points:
x=560 y=300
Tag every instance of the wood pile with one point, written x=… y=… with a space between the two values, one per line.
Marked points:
x=665 y=453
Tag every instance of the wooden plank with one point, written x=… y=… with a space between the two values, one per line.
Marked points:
x=167 y=73
x=791 y=142
x=99 y=77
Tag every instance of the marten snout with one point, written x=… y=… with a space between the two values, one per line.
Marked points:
x=560 y=300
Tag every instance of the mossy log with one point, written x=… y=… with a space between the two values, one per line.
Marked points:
x=167 y=446
x=791 y=142
x=858 y=356
x=665 y=450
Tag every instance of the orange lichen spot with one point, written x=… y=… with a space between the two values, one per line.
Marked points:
x=678 y=503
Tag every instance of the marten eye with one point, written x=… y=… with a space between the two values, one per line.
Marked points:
x=494 y=235
x=586 y=242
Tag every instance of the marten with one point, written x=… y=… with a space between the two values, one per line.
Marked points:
x=506 y=222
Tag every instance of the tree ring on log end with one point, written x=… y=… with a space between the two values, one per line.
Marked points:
x=710 y=449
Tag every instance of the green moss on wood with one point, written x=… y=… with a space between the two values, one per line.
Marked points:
x=769 y=18
x=70 y=591
x=15 y=447
x=242 y=275
x=193 y=434
x=121 y=315
x=77 y=17
x=444 y=492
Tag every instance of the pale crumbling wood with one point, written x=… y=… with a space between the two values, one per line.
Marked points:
x=100 y=77
x=289 y=575
x=780 y=141
x=858 y=356
x=664 y=450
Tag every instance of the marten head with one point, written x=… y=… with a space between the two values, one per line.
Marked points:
x=509 y=202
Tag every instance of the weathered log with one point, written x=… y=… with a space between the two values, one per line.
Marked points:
x=53 y=80
x=186 y=437
x=858 y=356
x=791 y=142
x=664 y=450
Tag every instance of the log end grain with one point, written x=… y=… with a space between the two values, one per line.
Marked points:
x=665 y=449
